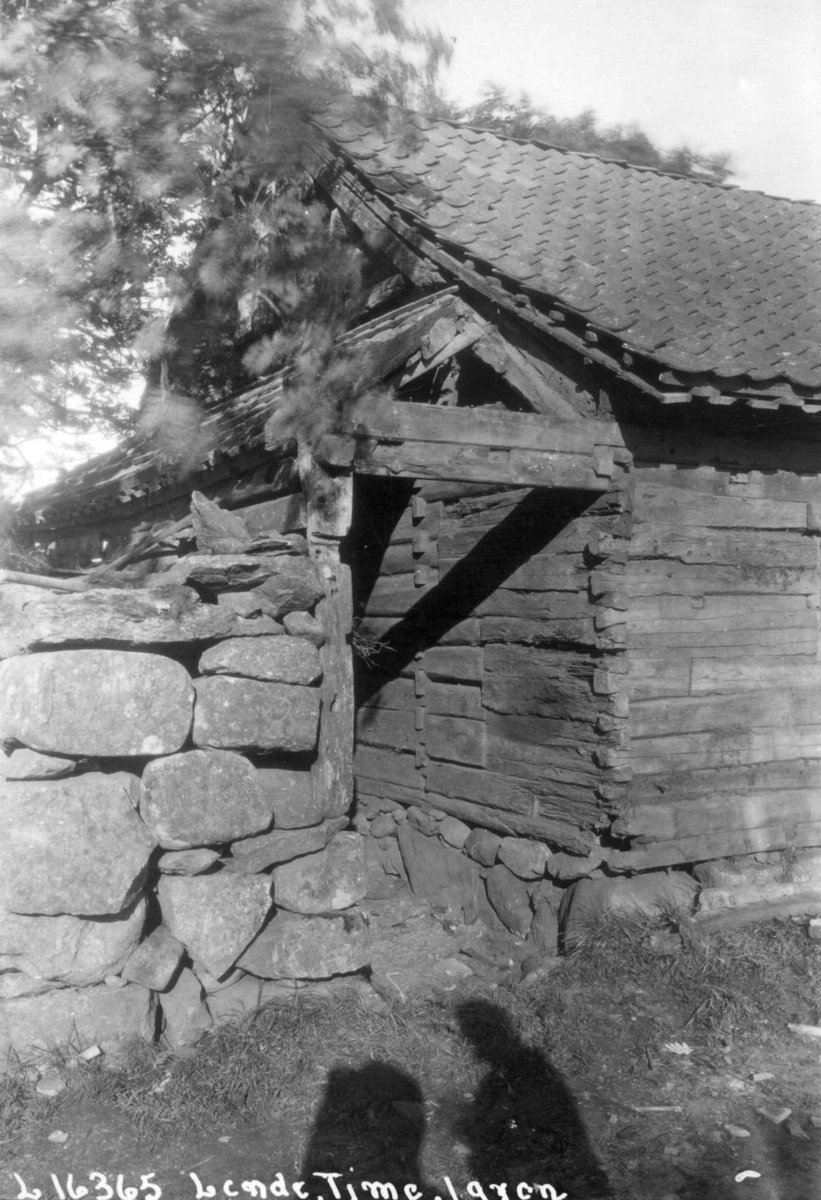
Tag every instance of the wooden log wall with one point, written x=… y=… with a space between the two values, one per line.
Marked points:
x=493 y=682
x=725 y=679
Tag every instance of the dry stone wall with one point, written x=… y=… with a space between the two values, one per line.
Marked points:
x=165 y=860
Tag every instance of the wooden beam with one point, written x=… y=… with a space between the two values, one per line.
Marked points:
x=474 y=445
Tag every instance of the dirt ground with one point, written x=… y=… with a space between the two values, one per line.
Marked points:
x=632 y=1096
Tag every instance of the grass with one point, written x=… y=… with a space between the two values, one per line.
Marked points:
x=742 y=985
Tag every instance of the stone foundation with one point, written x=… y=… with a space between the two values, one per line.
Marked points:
x=164 y=855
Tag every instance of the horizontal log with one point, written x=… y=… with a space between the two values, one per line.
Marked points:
x=718 y=845
x=722 y=813
x=477 y=426
x=383 y=790
x=776 y=708
x=408 y=527
x=461 y=663
x=455 y=461
x=713 y=900
x=542 y=573
x=724 y=747
x=653 y=444
x=455 y=700
x=541 y=698
x=666 y=577
x=668 y=507
x=463 y=633
x=390 y=727
x=773 y=775
x=725 y=608
x=387 y=766
x=750 y=549
x=539 y=633
x=526 y=797
x=728 y=481
x=402 y=559
x=387 y=692
x=655 y=678
x=547 y=829
x=455 y=739
x=710 y=675
x=545 y=732
x=756 y=638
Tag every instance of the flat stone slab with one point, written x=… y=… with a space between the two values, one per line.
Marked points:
x=185 y=1017
x=293 y=797
x=72 y=845
x=306 y=947
x=281 y=845
x=287 y=582
x=215 y=916
x=72 y=950
x=244 y=714
x=32 y=618
x=100 y=1016
x=202 y=798
x=187 y=862
x=96 y=703
x=274 y=659
x=335 y=878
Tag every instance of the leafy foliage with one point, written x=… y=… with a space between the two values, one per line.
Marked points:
x=499 y=111
x=149 y=163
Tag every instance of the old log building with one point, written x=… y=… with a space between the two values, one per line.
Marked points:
x=585 y=518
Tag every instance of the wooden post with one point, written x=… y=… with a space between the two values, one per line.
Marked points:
x=329 y=498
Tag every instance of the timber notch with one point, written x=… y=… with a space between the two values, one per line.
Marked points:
x=580 y=526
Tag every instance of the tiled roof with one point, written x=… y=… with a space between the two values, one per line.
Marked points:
x=706 y=279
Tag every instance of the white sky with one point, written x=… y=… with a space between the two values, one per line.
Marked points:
x=737 y=75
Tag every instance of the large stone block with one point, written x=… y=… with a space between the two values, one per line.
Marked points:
x=155 y=961
x=96 y=703
x=244 y=714
x=273 y=659
x=303 y=947
x=74 y=951
x=510 y=899
x=215 y=916
x=185 y=1017
x=656 y=894
x=293 y=796
x=280 y=846
x=100 y=1016
x=524 y=857
x=32 y=618
x=439 y=873
x=72 y=845
x=201 y=798
x=334 y=878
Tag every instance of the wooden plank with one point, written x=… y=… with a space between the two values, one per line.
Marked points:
x=780 y=774
x=722 y=747
x=539 y=633
x=525 y=373
x=652 y=444
x=655 y=577
x=722 y=845
x=526 y=797
x=456 y=461
x=541 y=573
x=386 y=727
x=461 y=663
x=401 y=559
x=394 y=596
x=547 y=829
x=723 y=813
x=388 y=766
x=646 y=609
x=755 y=636
x=664 y=506
x=408 y=526
x=455 y=739
x=382 y=790
x=775 y=708
x=750 y=549
x=329 y=507
x=391 y=693
x=726 y=481
x=463 y=633
x=477 y=426
x=525 y=726
x=541 y=697
x=455 y=700
x=655 y=678
x=710 y=675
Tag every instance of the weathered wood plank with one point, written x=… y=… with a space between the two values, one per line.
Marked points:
x=455 y=700
x=710 y=675
x=723 y=813
x=455 y=739
x=542 y=573
x=559 y=832
x=460 y=663
x=545 y=731
x=652 y=444
x=774 y=775
x=539 y=633
x=526 y=797
x=646 y=609
x=665 y=577
x=732 y=746
x=388 y=765
x=774 y=708
x=541 y=697
x=478 y=426
x=408 y=527
x=456 y=461
x=463 y=633
x=755 y=635
x=726 y=481
x=721 y=845
x=749 y=549
x=402 y=559
x=381 y=789
x=655 y=678
x=661 y=504
x=389 y=727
